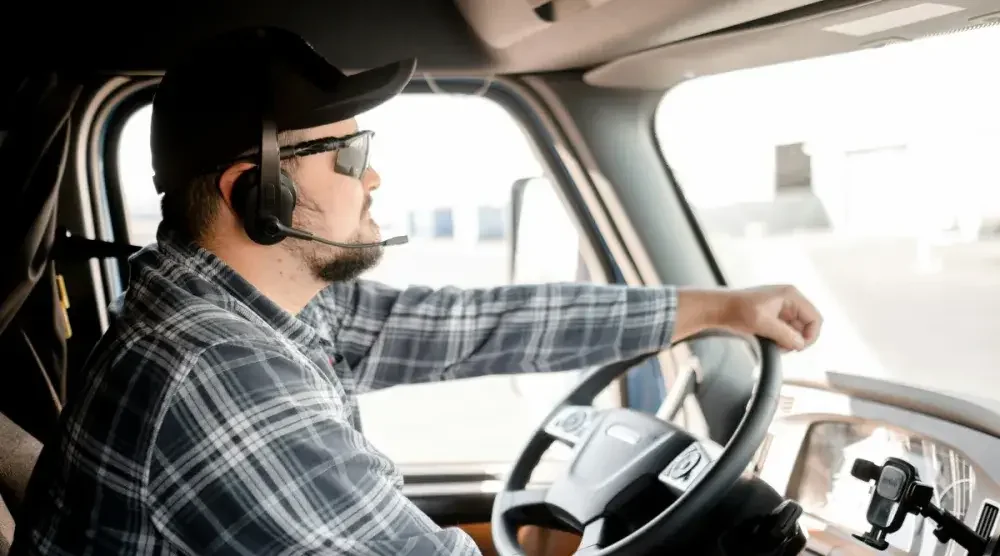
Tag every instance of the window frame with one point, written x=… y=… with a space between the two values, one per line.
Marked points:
x=110 y=215
x=112 y=220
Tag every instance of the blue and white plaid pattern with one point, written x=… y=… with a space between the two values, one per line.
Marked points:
x=213 y=422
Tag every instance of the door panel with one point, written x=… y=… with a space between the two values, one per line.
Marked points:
x=480 y=533
x=536 y=541
x=469 y=509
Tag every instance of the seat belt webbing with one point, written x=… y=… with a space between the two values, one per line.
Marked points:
x=68 y=247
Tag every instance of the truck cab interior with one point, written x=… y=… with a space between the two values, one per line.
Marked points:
x=843 y=146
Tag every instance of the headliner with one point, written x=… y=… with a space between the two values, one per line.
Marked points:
x=648 y=44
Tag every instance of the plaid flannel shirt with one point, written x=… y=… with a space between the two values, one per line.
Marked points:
x=214 y=422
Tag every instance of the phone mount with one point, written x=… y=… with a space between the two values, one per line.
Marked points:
x=897 y=492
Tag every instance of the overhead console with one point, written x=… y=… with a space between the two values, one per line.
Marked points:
x=536 y=35
x=818 y=29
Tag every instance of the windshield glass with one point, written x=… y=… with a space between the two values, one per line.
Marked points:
x=868 y=180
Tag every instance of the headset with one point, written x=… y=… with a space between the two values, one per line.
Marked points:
x=264 y=196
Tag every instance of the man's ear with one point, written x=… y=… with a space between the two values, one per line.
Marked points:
x=228 y=178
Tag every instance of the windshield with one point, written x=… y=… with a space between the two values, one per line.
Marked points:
x=868 y=180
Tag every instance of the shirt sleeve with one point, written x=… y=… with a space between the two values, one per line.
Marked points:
x=420 y=334
x=255 y=456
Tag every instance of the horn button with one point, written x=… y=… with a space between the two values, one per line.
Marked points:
x=619 y=447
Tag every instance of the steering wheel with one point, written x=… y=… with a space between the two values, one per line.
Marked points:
x=613 y=449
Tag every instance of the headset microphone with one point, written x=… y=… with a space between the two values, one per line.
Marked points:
x=276 y=227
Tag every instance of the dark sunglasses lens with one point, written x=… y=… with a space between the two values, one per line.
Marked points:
x=353 y=158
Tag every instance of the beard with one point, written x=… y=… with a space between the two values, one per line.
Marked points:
x=326 y=262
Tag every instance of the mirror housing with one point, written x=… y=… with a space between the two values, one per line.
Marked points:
x=544 y=243
x=517 y=190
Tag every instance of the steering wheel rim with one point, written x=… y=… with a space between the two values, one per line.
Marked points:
x=710 y=480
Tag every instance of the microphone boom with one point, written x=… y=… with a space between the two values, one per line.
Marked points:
x=278 y=227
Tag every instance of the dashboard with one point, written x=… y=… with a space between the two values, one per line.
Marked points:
x=818 y=434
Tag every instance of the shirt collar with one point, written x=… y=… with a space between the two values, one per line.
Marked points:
x=183 y=251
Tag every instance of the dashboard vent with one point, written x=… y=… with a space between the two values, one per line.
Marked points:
x=987 y=521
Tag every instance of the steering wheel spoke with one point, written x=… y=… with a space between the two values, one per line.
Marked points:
x=525 y=505
x=593 y=537
x=685 y=469
x=571 y=423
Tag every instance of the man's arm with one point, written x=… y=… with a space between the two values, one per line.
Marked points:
x=419 y=334
x=254 y=456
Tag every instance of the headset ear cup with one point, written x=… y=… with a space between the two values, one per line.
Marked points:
x=244 y=200
x=287 y=198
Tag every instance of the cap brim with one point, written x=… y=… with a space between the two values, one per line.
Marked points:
x=360 y=92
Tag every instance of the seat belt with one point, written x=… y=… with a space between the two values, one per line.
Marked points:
x=69 y=247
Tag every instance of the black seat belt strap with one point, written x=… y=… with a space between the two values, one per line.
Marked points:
x=68 y=247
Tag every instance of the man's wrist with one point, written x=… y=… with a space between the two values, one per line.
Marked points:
x=700 y=309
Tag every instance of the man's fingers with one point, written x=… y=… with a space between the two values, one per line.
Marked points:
x=811 y=331
x=783 y=334
x=809 y=319
x=780 y=313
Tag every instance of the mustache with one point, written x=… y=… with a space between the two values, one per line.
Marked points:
x=367 y=205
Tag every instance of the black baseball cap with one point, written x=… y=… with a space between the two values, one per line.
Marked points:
x=208 y=107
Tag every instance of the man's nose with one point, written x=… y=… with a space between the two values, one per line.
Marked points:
x=371 y=179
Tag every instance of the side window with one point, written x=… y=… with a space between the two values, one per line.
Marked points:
x=448 y=164
x=135 y=175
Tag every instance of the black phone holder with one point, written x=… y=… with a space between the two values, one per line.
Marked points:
x=897 y=492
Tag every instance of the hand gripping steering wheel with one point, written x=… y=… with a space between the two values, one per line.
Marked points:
x=613 y=449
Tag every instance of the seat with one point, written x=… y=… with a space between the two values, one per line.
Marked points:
x=18 y=453
x=35 y=121
x=6 y=529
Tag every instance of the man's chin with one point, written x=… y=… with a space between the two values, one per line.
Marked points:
x=349 y=264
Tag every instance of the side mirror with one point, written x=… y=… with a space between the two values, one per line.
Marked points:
x=516 y=203
x=544 y=243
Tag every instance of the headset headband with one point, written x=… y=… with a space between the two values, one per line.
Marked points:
x=269 y=161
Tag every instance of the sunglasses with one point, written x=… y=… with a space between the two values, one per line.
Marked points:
x=353 y=152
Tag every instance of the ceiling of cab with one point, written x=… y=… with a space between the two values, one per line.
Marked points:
x=794 y=36
x=544 y=35
x=447 y=36
x=129 y=37
x=619 y=43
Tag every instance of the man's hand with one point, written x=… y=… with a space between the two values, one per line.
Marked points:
x=780 y=313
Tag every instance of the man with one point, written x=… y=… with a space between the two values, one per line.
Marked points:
x=219 y=414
